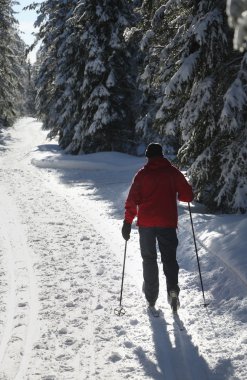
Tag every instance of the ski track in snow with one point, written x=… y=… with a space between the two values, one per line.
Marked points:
x=21 y=303
x=60 y=268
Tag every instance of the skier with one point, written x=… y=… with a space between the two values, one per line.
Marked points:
x=153 y=199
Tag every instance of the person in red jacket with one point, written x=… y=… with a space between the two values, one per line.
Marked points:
x=153 y=199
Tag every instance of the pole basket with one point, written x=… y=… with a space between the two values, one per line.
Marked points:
x=120 y=311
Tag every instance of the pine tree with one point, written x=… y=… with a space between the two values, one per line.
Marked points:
x=105 y=121
x=163 y=25
x=147 y=40
x=213 y=117
x=30 y=89
x=192 y=75
x=231 y=146
x=84 y=86
x=52 y=23
x=12 y=56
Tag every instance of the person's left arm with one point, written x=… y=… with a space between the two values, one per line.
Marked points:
x=184 y=189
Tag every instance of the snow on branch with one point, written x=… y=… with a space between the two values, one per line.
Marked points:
x=199 y=101
x=171 y=4
x=95 y=66
x=158 y=16
x=184 y=74
x=146 y=38
x=235 y=101
x=201 y=27
x=233 y=179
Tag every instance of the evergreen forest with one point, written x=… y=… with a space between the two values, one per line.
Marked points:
x=119 y=74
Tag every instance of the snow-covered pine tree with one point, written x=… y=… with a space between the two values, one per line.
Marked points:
x=195 y=75
x=52 y=32
x=163 y=25
x=231 y=146
x=104 y=118
x=69 y=76
x=12 y=57
x=84 y=88
x=30 y=89
x=20 y=68
x=213 y=123
x=147 y=42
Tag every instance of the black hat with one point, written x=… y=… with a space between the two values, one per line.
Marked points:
x=154 y=150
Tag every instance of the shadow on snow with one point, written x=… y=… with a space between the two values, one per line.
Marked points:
x=178 y=359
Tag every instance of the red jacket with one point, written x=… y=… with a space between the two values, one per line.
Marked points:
x=154 y=192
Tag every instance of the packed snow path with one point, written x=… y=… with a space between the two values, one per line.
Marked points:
x=61 y=254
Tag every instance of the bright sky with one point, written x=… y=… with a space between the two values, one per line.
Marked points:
x=26 y=20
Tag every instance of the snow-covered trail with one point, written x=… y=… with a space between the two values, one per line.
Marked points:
x=61 y=255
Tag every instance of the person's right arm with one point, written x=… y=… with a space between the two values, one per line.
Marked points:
x=132 y=200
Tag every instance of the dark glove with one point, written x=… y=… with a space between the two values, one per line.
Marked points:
x=126 y=230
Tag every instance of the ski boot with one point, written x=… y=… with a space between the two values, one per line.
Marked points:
x=173 y=300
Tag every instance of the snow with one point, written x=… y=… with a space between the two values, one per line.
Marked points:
x=237 y=19
x=235 y=101
x=111 y=80
x=146 y=38
x=61 y=257
x=193 y=108
x=183 y=74
x=95 y=66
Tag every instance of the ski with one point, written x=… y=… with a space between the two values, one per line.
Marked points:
x=178 y=321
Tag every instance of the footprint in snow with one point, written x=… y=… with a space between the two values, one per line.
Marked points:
x=62 y=331
x=134 y=322
x=128 y=344
x=100 y=271
x=115 y=357
x=84 y=238
x=70 y=304
x=69 y=341
x=98 y=307
x=22 y=304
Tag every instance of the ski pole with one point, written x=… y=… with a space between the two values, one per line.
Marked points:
x=197 y=256
x=120 y=310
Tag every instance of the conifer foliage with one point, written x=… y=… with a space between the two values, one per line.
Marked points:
x=52 y=75
x=198 y=87
x=12 y=57
x=84 y=88
x=106 y=87
x=30 y=89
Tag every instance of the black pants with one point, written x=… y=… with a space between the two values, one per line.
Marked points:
x=167 y=242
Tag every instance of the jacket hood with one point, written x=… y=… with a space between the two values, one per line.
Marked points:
x=157 y=162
